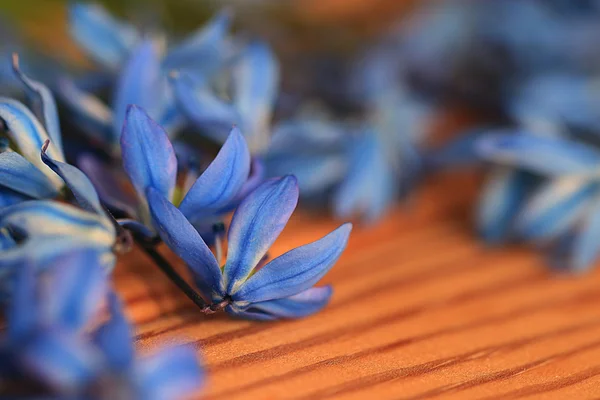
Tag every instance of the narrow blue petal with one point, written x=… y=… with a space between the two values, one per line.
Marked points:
x=172 y=373
x=89 y=113
x=141 y=82
x=83 y=286
x=554 y=208
x=185 y=241
x=206 y=112
x=148 y=156
x=105 y=39
x=78 y=182
x=19 y=175
x=43 y=103
x=203 y=50
x=502 y=197
x=307 y=135
x=541 y=155
x=29 y=135
x=257 y=176
x=586 y=245
x=458 y=152
x=64 y=362
x=255 y=89
x=256 y=224
x=298 y=306
x=114 y=339
x=253 y=314
x=109 y=185
x=295 y=271
x=137 y=228
x=221 y=181
x=22 y=315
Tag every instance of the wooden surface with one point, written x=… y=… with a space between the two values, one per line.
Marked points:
x=420 y=310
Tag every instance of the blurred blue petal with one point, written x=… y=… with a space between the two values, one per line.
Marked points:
x=61 y=360
x=78 y=182
x=457 y=152
x=185 y=241
x=205 y=110
x=148 y=156
x=114 y=338
x=89 y=113
x=295 y=271
x=141 y=82
x=43 y=103
x=300 y=305
x=19 y=175
x=22 y=313
x=83 y=286
x=503 y=195
x=9 y=197
x=307 y=135
x=538 y=154
x=105 y=39
x=108 y=185
x=219 y=184
x=370 y=185
x=256 y=224
x=554 y=207
x=256 y=82
x=202 y=51
x=586 y=244
x=172 y=373
x=29 y=135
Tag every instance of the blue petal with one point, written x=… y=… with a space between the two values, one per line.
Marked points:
x=555 y=207
x=22 y=314
x=29 y=135
x=148 y=156
x=221 y=181
x=105 y=39
x=90 y=114
x=370 y=186
x=114 y=339
x=64 y=362
x=78 y=182
x=206 y=111
x=185 y=241
x=298 y=306
x=172 y=373
x=203 y=50
x=19 y=175
x=83 y=286
x=141 y=82
x=10 y=197
x=295 y=271
x=502 y=197
x=307 y=135
x=43 y=102
x=256 y=81
x=256 y=224
x=109 y=185
x=257 y=176
x=537 y=154
x=458 y=152
x=586 y=245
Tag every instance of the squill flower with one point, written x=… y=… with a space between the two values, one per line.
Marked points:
x=149 y=160
x=53 y=341
x=564 y=208
x=254 y=77
x=283 y=288
x=142 y=67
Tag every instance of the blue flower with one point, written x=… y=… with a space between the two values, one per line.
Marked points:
x=561 y=208
x=142 y=68
x=283 y=288
x=150 y=161
x=52 y=340
x=254 y=80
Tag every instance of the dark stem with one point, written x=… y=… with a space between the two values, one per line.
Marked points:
x=170 y=272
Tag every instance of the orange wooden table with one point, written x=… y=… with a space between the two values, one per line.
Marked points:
x=420 y=310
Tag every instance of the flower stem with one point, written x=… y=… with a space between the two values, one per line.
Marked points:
x=170 y=272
